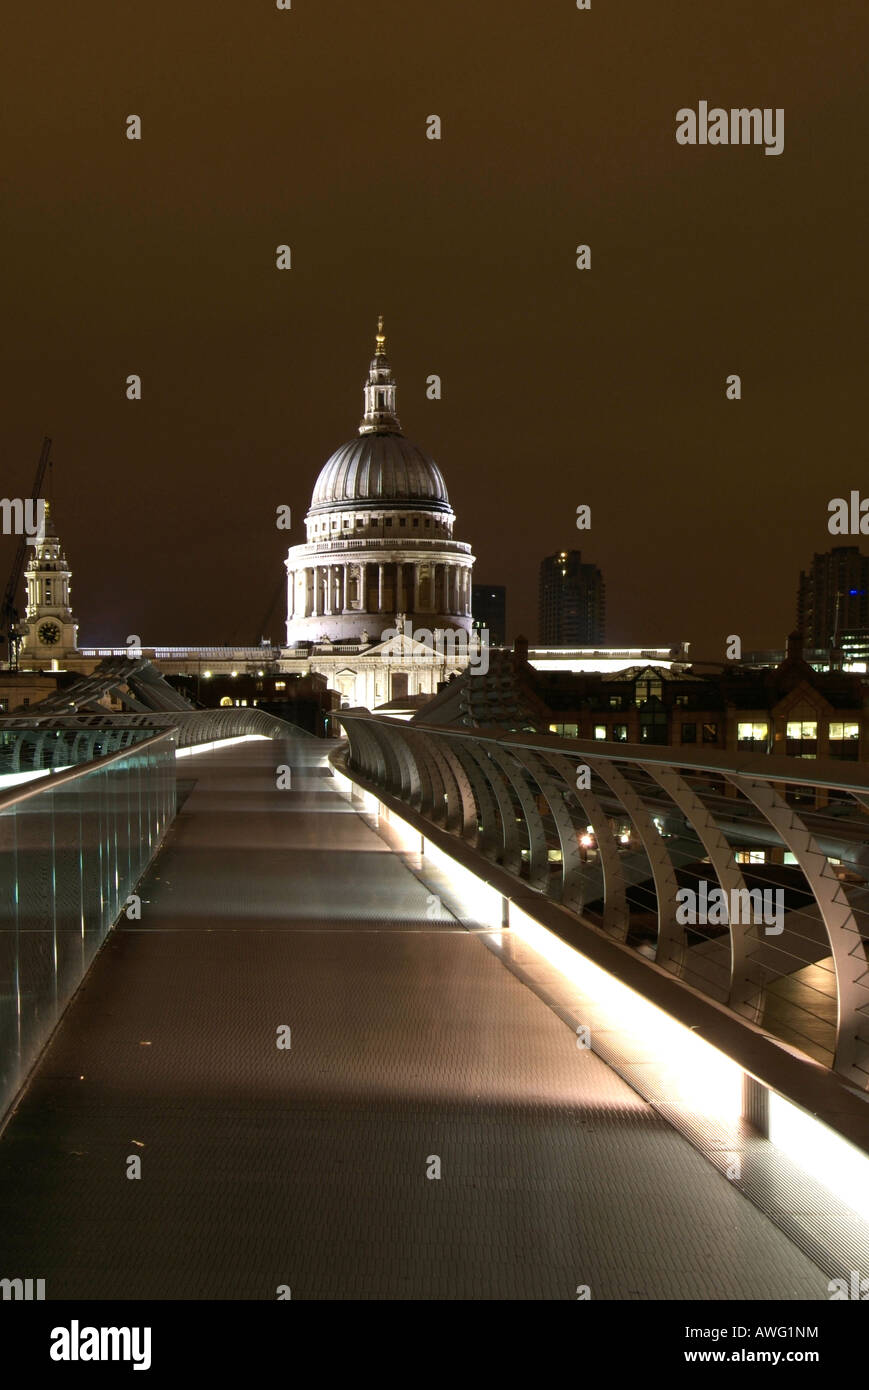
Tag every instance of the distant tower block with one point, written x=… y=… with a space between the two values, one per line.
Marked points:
x=572 y=609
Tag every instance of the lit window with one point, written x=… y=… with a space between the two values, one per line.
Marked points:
x=620 y=733
x=649 y=689
x=600 y=730
x=752 y=733
x=808 y=728
x=844 y=731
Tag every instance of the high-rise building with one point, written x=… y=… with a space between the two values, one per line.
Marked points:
x=833 y=595
x=489 y=607
x=572 y=610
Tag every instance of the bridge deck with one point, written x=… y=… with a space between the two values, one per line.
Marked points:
x=264 y=1167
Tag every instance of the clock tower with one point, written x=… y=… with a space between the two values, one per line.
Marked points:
x=49 y=629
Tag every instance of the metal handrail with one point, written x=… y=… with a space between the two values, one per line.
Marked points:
x=69 y=774
x=776 y=767
x=244 y=719
x=656 y=825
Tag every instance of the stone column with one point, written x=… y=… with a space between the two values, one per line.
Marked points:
x=399 y=588
x=415 y=587
x=315 y=592
x=380 y=587
x=345 y=570
x=291 y=593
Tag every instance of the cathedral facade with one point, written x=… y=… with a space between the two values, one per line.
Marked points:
x=380 y=559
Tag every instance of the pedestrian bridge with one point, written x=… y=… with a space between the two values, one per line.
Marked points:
x=385 y=1019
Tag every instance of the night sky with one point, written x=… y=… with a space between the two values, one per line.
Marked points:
x=560 y=386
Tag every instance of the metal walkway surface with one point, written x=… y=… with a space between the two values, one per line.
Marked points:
x=306 y=1167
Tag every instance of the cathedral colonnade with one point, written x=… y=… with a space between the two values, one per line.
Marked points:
x=335 y=587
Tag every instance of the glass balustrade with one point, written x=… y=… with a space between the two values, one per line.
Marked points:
x=73 y=847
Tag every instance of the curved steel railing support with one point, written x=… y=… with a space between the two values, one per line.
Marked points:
x=847 y=946
x=742 y=990
x=516 y=774
x=670 y=946
x=616 y=917
x=488 y=787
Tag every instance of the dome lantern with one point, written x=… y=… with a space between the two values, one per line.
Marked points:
x=379 y=390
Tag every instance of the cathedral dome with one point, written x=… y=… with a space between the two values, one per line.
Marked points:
x=379 y=543
x=379 y=468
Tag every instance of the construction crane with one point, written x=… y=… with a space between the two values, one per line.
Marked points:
x=9 y=612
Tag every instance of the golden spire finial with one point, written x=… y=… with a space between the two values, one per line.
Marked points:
x=381 y=338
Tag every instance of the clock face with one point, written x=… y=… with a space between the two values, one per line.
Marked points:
x=49 y=633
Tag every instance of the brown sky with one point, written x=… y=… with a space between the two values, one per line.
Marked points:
x=560 y=387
